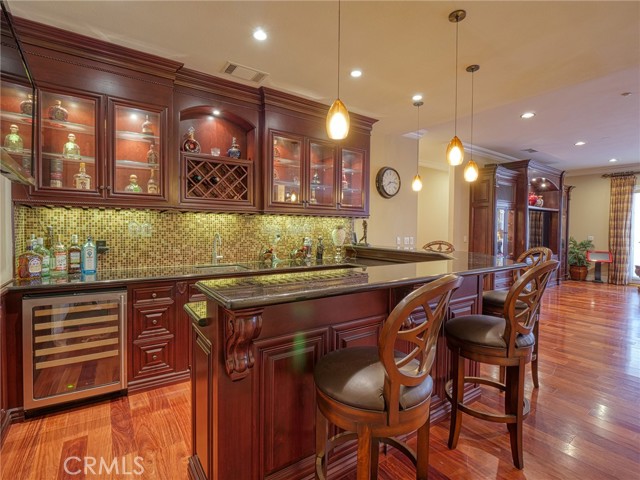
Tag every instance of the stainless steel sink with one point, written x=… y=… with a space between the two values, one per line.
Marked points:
x=222 y=267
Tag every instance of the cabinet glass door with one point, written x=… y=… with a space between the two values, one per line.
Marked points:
x=137 y=151
x=352 y=181
x=322 y=171
x=68 y=142
x=504 y=232
x=16 y=104
x=287 y=169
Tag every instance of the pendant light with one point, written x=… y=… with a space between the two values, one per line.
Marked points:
x=455 y=151
x=416 y=185
x=338 y=116
x=471 y=169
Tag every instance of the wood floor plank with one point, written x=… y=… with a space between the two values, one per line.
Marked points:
x=584 y=422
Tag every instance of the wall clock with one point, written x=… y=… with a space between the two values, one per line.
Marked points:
x=388 y=182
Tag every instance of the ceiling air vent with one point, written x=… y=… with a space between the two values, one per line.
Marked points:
x=530 y=150
x=244 y=73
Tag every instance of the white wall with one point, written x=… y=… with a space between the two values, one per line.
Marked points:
x=433 y=206
x=589 y=209
x=6 y=232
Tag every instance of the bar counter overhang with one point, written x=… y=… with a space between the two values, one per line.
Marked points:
x=256 y=340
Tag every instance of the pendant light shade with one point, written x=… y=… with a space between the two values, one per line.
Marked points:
x=471 y=169
x=416 y=185
x=338 y=121
x=338 y=116
x=455 y=150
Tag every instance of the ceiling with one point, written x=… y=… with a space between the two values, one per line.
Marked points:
x=569 y=62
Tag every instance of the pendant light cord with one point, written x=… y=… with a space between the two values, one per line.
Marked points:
x=338 y=49
x=455 y=116
x=418 y=142
x=471 y=140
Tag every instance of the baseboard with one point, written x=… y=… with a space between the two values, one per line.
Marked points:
x=160 y=381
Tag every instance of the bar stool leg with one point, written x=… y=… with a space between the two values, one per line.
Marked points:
x=457 y=396
x=322 y=434
x=364 y=453
x=375 y=453
x=422 y=467
x=514 y=405
x=534 y=360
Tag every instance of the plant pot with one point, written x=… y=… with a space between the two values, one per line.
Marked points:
x=578 y=273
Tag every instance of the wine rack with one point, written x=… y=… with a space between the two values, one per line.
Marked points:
x=218 y=178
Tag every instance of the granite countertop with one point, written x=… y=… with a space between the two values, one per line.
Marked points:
x=269 y=289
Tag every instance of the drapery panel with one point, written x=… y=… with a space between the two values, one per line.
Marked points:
x=620 y=227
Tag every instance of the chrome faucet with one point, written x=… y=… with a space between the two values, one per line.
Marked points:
x=217 y=242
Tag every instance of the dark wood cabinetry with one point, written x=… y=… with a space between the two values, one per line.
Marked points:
x=516 y=206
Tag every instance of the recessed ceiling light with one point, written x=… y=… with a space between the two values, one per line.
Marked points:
x=417 y=97
x=259 y=34
x=579 y=143
x=216 y=112
x=613 y=160
x=528 y=115
x=357 y=73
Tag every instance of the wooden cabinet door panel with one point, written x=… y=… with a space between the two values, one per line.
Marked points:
x=152 y=358
x=153 y=321
x=201 y=395
x=361 y=332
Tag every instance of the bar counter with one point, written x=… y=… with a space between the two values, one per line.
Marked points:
x=257 y=339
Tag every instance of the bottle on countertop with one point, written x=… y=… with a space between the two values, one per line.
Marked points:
x=319 y=250
x=89 y=259
x=49 y=240
x=75 y=252
x=59 y=259
x=46 y=256
x=29 y=263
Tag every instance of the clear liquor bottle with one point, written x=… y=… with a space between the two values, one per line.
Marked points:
x=46 y=256
x=89 y=257
x=152 y=184
x=75 y=254
x=82 y=180
x=60 y=260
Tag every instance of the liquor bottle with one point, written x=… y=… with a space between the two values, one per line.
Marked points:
x=46 y=256
x=133 y=185
x=29 y=264
x=152 y=185
x=152 y=155
x=49 y=241
x=59 y=259
x=319 y=250
x=71 y=148
x=234 y=151
x=147 y=126
x=75 y=253
x=89 y=259
x=26 y=106
x=56 y=168
x=82 y=180
x=191 y=144
x=58 y=112
x=13 y=141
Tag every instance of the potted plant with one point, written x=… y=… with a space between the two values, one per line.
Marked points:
x=577 y=258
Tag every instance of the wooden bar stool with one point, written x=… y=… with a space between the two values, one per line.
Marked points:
x=493 y=301
x=505 y=341
x=439 y=246
x=375 y=393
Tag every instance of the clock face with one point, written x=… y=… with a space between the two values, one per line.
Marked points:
x=388 y=182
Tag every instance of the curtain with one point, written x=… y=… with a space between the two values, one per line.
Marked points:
x=620 y=227
x=535 y=229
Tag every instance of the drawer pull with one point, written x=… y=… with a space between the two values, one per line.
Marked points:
x=154 y=322
x=154 y=357
x=154 y=295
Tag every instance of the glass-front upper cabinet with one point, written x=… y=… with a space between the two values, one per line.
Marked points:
x=68 y=143
x=322 y=172
x=16 y=124
x=352 y=187
x=287 y=169
x=138 y=150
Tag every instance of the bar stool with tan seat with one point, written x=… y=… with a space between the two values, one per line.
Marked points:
x=376 y=393
x=493 y=301
x=439 y=246
x=506 y=341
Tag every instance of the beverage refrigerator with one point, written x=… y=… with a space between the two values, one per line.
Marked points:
x=73 y=346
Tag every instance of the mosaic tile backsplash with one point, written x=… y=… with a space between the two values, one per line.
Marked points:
x=142 y=238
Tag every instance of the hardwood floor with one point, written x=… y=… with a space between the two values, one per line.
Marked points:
x=585 y=420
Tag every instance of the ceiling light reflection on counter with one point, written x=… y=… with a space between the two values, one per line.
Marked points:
x=613 y=160
x=580 y=143
x=527 y=115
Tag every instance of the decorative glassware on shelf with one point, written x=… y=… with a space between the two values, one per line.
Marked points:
x=338 y=236
x=234 y=151
x=58 y=112
x=533 y=199
x=316 y=178
x=539 y=201
x=82 y=180
x=13 y=140
x=152 y=155
x=313 y=200
x=191 y=144
x=26 y=106
x=152 y=184
x=133 y=186
x=71 y=149
x=147 y=126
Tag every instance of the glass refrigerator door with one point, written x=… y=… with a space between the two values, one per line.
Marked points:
x=73 y=347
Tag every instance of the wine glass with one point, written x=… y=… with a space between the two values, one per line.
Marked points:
x=338 y=236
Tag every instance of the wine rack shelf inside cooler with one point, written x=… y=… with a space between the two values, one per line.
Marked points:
x=73 y=347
